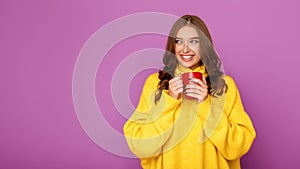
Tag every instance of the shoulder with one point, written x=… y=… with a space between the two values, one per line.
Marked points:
x=229 y=81
x=231 y=85
x=153 y=77
x=152 y=81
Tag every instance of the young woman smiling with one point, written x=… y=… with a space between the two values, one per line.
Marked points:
x=169 y=131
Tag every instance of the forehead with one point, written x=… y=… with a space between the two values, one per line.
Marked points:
x=187 y=32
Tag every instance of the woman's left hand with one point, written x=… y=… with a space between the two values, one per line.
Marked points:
x=197 y=90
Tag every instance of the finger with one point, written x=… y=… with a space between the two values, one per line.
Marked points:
x=198 y=81
x=176 y=84
x=200 y=98
x=177 y=78
x=179 y=90
x=192 y=95
x=195 y=80
x=204 y=80
x=171 y=85
x=196 y=91
x=193 y=86
x=174 y=79
x=199 y=90
x=172 y=82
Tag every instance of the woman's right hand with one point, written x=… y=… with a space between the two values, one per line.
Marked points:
x=175 y=87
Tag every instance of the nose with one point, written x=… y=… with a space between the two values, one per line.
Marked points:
x=186 y=48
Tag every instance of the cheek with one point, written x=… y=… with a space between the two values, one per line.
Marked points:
x=196 y=50
x=197 y=58
x=177 y=49
x=177 y=57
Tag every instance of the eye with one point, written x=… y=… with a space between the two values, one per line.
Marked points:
x=194 y=41
x=178 y=41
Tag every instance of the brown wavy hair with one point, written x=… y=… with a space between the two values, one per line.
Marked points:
x=216 y=83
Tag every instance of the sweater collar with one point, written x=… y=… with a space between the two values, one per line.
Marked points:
x=180 y=69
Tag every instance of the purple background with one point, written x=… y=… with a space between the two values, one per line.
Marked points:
x=41 y=40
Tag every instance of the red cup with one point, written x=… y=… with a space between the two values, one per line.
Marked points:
x=186 y=80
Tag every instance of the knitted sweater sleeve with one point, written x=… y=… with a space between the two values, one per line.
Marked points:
x=151 y=124
x=234 y=133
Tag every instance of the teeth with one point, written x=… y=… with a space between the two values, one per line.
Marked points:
x=186 y=57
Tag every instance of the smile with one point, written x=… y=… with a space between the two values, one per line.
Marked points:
x=187 y=58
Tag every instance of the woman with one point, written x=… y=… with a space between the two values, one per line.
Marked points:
x=210 y=131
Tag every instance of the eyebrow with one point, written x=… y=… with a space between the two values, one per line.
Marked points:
x=196 y=37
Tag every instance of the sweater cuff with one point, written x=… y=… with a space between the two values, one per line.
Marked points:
x=163 y=115
x=166 y=105
x=170 y=99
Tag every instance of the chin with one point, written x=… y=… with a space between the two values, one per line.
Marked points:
x=186 y=65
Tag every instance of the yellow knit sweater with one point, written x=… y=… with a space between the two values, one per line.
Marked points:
x=181 y=134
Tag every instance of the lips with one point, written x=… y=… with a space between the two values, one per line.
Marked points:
x=187 y=58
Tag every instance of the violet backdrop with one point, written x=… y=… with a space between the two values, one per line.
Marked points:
x=41 y=40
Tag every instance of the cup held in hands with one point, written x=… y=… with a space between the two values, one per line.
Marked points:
x=186 y=79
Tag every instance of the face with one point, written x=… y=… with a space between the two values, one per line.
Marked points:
x=187 y=47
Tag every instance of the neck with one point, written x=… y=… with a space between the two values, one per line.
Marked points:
x=194 y=67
